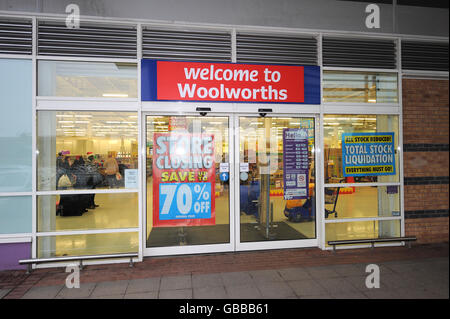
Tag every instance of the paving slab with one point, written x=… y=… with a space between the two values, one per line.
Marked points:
x=116 y=296
x=316 y=297
x=216 y=292
x=260 y=276
x=83 y=292
x=355 y=295
x=246 y=291
x=141 y=295
x=207 y=280
x=350 y=270
x=308 y=287
x=176 y=282
x=337 y=286
x=46 y=292
x=109 y=288
x=289 y=274
x=236 y=278
x=4 y=292
x=359 y=283
x=275 y=290
x=175 y=294
x=381 y=293
x=322 y=272
x=143 y=285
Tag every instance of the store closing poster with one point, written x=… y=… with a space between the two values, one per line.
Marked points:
x=183 y=179
x=295 y=163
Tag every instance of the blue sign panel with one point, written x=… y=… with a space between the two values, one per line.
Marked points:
x=295 y=163
x=224 y=176
x=368 y=154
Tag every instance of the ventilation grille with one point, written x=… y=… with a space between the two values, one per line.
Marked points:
x=87 y=41
x=16 y=37
x=424 y=56
x=186 y=45
x=339 y=52
x=276 y=49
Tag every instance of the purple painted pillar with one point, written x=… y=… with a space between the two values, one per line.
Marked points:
x=11 y=253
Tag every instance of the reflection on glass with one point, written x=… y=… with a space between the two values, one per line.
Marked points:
x=265 y=212
x=87 y=150
x=87 y=79
x=87 y=244
x=77 y=212
x=336 y=125
x=359 y=87
x=360 y=202
x=15 y=125
x=187 y=198
x=15 y=214
x=362 y=230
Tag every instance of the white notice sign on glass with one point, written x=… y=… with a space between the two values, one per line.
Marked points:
x=131 y=178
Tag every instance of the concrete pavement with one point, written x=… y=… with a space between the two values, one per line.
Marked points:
x=343 y=277
x=412 y=279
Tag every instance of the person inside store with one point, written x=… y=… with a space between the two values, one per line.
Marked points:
x=71 y=205
x=93 y=180
x=111 y=170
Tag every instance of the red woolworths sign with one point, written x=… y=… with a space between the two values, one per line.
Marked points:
x=195 y=81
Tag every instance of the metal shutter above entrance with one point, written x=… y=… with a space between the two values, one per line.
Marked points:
x=276 y=49
x=94 y=40
x=426 y=56
x=183 y=45
x=358 y=53
x=15 y=36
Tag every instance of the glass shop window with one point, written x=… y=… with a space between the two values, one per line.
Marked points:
x=361 y=148
x=87 y=150
x=87 y=79
x=360 y=87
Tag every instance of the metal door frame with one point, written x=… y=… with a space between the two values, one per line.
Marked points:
x=188 y=249
x=278 y=244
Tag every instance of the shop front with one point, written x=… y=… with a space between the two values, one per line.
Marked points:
x=169 y=141
x=215 y=159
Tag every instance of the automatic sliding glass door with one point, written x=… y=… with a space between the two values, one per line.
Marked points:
x=276 y=179
x=187 y=182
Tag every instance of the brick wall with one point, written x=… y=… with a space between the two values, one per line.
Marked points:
x=426 y=159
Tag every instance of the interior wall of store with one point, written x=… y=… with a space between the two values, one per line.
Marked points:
x=305 y=14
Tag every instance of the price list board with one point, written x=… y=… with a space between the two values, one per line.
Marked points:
x=295 y=163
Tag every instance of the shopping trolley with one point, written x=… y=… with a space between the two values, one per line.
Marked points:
x=331 y=197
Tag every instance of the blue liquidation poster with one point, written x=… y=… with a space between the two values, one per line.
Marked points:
x=368 y=154
x=295 y=163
